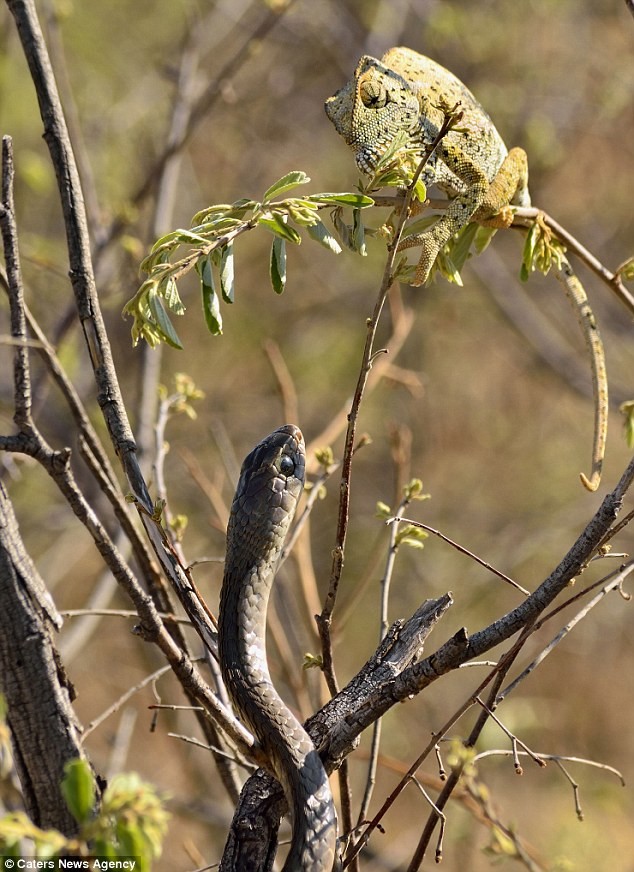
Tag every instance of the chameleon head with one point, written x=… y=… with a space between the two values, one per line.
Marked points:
x=371 y=109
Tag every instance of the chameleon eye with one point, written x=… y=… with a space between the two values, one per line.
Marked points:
x=373 y=94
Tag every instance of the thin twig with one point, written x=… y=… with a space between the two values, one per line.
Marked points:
x=370 y=780
x=21 y=370
x=514 y=739
x=611 y=279
x=325 y=618
x=504 y=752
x=220 y=752
x=121 y=613
x=398 y=519
x=617 y=580
x=441 y=817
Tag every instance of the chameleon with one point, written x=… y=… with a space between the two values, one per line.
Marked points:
x=406 y=91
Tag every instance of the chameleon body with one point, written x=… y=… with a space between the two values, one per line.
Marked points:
x=406 y=91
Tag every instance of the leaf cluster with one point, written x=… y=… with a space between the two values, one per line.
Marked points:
x=208 y=245
x=408 y=534
x=541 y=251
x=130 y=822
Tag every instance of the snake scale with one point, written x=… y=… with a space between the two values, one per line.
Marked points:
x=270 y=484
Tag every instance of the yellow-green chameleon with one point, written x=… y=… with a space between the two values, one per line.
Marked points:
x=406 y=91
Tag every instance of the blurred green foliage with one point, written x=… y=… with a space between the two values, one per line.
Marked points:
x=129 y=821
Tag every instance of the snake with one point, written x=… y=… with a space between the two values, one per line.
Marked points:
x=270 y=484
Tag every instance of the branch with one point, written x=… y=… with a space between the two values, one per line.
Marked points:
x=613 y=280
x=334 y=730
x=324 y=620
x=45 y=733
x=112 y=406
x=78 y=242
x=462 y=648
x=87 y=302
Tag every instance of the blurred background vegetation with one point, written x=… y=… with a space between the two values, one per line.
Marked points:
x=475 y=403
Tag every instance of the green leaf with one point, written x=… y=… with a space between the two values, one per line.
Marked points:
x=325 y=456
x=104 y=848
x=211 y=309
x=161 y=320
x=157 y=256
x=412 y=536
x=403 y=271
x=279 y=227
x=179 y=236
x=483 y=237
x=169 y=291
x=278 y=265
x=132 y=843
x=358 y=233
x=626 y=270
x=214 y=218
x=204 y=268
x=627 y=410
x=78 y=789
x=528 y=254
x=459 y=250
x=205 y=214
x=301 y=212
x=242 y=206
x=358 y=201
x=342 y=228
x=420 y=190
x=447 y=268
x=413 y=490
x=211 y=303
x=226 y=273
x=419 y=225
x=290 y=180
x=383 y=511
x=390 y=152
x=312 y=661
x=320 y=233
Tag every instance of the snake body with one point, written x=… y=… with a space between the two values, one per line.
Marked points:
x=271 y=482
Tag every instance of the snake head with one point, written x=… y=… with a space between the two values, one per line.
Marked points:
x=270 y=485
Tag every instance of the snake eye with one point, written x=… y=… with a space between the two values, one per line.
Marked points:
x=287 y=465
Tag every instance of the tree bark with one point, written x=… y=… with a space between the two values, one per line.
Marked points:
x=44 y=730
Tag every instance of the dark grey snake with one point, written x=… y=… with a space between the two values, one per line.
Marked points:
x=270 y=485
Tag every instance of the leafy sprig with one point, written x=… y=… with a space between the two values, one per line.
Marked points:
x=130 y=821
x=542 y=250
x=209 y=250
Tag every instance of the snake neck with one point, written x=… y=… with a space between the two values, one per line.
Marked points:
x=261 y=513
x=294 y=760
